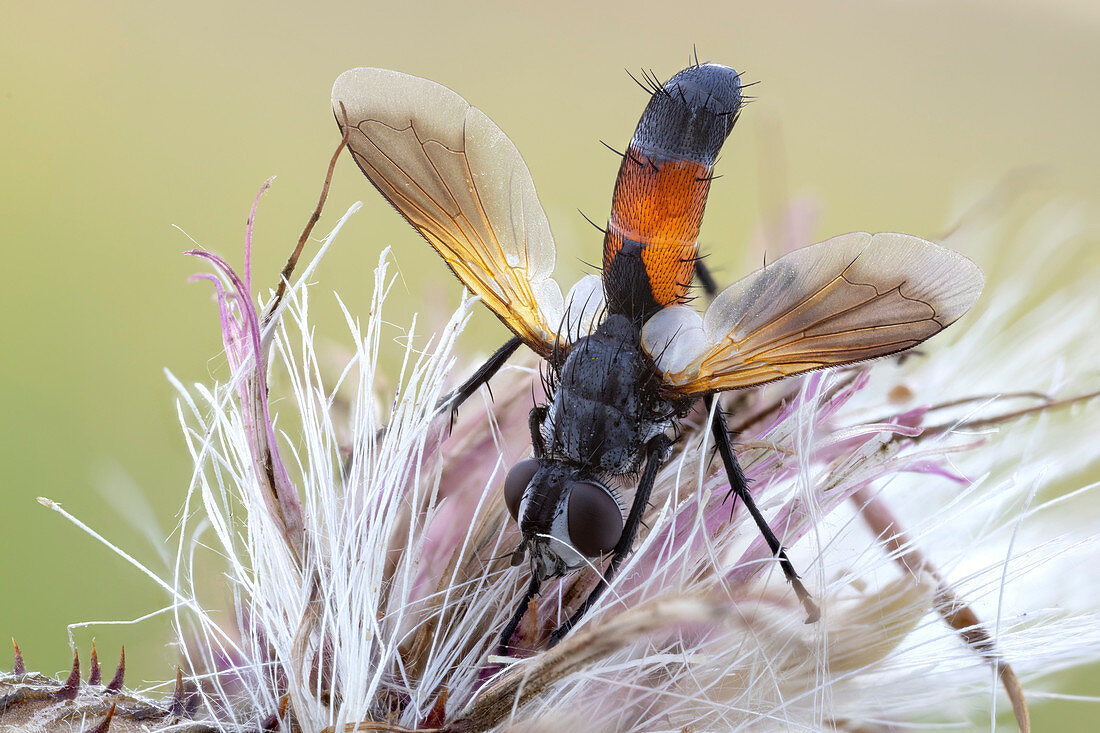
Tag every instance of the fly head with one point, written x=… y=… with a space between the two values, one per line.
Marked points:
x=566 y=518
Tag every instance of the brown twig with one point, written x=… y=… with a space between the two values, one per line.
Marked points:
x=953 y=610
x=373 y=725
x=1005 y=417
x=292 y=261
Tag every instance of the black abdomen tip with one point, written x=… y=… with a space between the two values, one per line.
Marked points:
x=713 y=86
x=692 y=114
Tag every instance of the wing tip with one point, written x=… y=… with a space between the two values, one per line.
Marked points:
x=368 y=90
x=350 y=82
x=961 y=282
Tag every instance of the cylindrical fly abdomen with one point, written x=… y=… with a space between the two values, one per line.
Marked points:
x=650 y=245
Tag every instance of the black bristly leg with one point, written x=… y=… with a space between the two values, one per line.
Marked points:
x=491 y=366
x=656 y=453
x=513 y=624
x=739 y=487
x=702 y=273
x=534 y=423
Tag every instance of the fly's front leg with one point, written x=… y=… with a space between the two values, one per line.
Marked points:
x=535 y=419
x=739 y=488
x=657 y=451
x=480 y=377
x=517 y=616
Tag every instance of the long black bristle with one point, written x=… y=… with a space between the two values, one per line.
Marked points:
x=599 y=228
x=613 y=150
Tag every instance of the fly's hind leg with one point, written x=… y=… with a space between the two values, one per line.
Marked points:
x=705 y=278
x=739 y=485
x=739 y=488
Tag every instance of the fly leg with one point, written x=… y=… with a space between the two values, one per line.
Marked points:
x=739 y=487
x=534 y=423
x=534 y=420
x=657 y=451
x=480 y=377
x=703 y=275
x=521 y=609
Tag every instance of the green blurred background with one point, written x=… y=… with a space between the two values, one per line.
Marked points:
x=123 y=120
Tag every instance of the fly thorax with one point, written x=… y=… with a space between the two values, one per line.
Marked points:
x=607 y=404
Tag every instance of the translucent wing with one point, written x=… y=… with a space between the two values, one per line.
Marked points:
x=854 y=297
x=457 y=178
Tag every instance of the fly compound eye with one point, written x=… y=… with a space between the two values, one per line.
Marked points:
x=595 y=520
x=516 y=483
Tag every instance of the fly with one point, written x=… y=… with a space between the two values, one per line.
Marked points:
x=627 y=357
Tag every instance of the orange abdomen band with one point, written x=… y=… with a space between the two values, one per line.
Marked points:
x=658 y=204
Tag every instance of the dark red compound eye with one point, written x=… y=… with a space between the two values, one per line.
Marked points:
x=595 y=520
x=516 y=483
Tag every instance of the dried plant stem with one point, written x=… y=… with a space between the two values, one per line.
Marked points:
x=985 y=422
x=371 y=725
x=525 y=680
x=952 y=609
x=292 y=261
